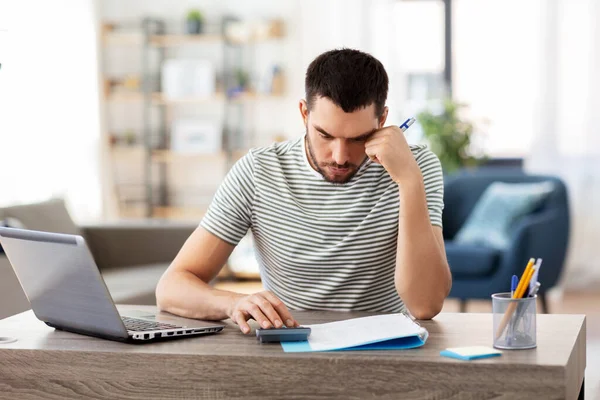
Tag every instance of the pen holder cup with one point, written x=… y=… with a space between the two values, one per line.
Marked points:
x=514 y=322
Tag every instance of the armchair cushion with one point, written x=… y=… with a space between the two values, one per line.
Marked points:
x=472 y=261
x=500 y=207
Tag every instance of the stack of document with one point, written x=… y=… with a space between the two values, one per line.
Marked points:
x=380 y=332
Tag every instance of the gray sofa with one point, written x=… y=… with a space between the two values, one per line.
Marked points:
x=130 y=255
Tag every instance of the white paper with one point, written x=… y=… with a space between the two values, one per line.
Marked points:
x=359 y=331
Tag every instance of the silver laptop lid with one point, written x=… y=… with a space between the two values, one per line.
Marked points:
x=62 y=282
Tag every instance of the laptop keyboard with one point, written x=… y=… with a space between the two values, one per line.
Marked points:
x=140 y=325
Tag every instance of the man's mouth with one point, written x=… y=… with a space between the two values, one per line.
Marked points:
x=339 y=171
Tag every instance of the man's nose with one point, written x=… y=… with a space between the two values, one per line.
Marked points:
x=341 y=153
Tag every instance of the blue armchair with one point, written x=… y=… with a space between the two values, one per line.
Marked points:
x=479 y=271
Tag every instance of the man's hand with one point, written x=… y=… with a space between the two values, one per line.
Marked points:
x=389 y=147
x=265 y=308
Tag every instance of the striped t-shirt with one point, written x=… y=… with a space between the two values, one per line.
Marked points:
x=319 y=245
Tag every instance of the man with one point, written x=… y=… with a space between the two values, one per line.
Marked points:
x=347 y=217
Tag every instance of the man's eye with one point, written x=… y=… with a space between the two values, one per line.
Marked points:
x=360 y=140
x=326 y=137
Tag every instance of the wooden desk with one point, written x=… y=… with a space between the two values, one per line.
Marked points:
x=230 y=365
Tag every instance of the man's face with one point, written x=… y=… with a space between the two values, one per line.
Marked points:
x=336 y=139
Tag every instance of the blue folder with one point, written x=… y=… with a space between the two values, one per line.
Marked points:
x=409 y=342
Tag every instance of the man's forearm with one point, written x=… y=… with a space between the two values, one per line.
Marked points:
x=422 y=274
x=184 y=294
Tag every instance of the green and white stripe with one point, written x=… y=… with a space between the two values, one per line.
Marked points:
x=320 y=246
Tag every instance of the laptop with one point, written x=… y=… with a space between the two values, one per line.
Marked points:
x=65 y=288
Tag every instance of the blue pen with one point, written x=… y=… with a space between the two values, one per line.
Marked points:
x=406 y=124
x=514 y=282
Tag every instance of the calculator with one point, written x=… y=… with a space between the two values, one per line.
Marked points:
x=272 y=335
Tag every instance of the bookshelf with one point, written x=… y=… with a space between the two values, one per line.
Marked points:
x=147 y=149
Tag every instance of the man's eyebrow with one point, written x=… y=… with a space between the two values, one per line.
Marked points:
x=360 y=137
x=317 y=127
x=365 y=135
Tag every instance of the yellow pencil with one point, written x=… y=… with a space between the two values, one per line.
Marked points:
x=526 y=285
x=513 y=305
x=522 y=281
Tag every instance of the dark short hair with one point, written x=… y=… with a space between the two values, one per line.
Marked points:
x=350 y=78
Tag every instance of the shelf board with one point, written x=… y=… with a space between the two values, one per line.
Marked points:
x=168 y=156
x=175 y=40
x=251 y=96
x=123 y=38
x=169 y=212
x=125 y=97
x=131 y=150
x=159 y=99
x=137 y=39
x=182 y=40
x=132 y=212
x=172 y=212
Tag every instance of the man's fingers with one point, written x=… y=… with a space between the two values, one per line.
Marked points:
x=281 y=309
x=240 y=319
x=379 y=134
x=376 y=141
x=371 y=153
x=258 y=315
x=267 y=309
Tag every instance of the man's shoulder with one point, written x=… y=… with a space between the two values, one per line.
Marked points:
x=418 y=149
x=426 y=159
x=275 y=150
x=422 y=151
x=276 y=153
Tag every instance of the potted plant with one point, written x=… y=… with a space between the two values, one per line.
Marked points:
x=242 y=79
x=240 y=83
x=129 y=137
x=194 y=22
x=450 y=137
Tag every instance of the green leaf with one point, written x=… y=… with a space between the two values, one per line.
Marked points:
x=450 y=136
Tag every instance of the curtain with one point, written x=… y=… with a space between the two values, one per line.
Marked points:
x=49 y=110
x=567 y=136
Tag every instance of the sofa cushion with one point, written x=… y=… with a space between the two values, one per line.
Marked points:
x=48 y=216
x=12 y=298
x=10 y=222
x=135 y=284
x=472 y=261
x=494 y=216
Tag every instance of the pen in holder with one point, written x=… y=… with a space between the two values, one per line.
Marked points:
x=514 y=321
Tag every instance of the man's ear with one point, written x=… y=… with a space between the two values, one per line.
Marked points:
x=383 y=117
x=304 y=111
